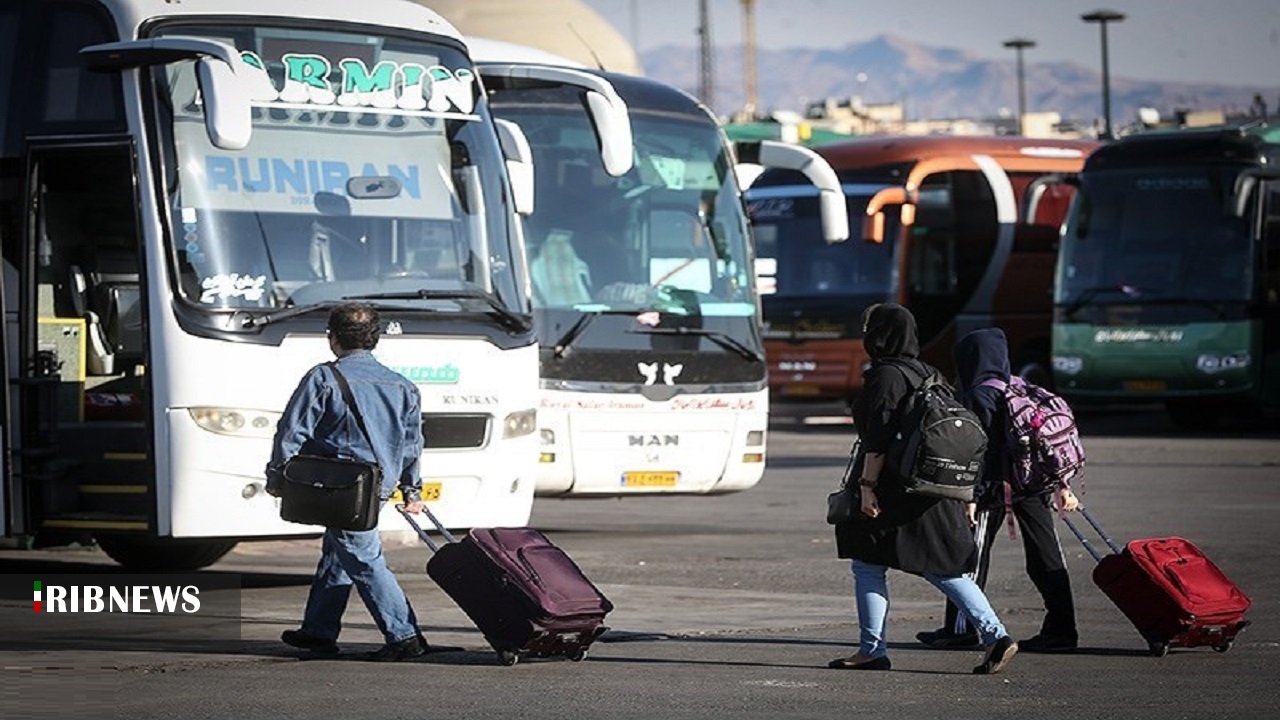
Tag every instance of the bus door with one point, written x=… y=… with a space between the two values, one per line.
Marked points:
x=86 y=461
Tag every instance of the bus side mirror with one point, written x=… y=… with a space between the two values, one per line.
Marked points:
x=1035 y=192
x=608 y=111
x=515 y=150
x=873 y=222
x=831 y=200
x=228 y=117
x=1246 y=182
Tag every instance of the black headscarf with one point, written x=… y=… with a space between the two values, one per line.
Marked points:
x=891 y=333
x=982 y=355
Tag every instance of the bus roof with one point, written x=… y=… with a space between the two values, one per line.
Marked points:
x=130 y=14
x=890 y=149
x=1183 y=146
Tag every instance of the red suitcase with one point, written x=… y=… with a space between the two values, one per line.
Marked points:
x=1169 y=590
x=525 y=595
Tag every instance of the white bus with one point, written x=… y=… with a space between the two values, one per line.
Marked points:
x=652 y=362
x=187 y=188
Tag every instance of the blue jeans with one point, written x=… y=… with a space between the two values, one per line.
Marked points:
x=355 y=558
x=871 y=587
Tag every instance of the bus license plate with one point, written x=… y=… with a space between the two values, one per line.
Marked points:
x=1146 y=385
x=800 y=390
x=650 y=479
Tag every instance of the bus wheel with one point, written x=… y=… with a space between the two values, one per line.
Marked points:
x=1193 y=415
x=163 y=554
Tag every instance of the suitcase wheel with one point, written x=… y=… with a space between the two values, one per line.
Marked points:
x=508 y=657
x=578 y=655
x=1158 y=648
x=1222 y=647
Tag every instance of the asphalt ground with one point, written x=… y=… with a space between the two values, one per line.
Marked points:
x=726 y=607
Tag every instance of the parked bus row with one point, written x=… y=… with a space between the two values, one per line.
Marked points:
x=1166 y=248
x=187 y=189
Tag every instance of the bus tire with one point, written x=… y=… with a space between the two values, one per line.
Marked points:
x=150 y=554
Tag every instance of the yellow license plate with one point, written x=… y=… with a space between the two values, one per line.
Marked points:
x=1146 y=385
x=800 y=389
x=650 y=479
x=431 y=491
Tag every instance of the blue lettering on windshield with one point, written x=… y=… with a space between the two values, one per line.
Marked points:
x=291 y=176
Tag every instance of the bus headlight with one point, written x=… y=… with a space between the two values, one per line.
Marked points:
x=519 y=424
x=1068 y=364
x=237 y=422
x=1211 y=364
x=755 y=438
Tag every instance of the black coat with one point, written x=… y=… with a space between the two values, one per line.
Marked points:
x=913 y=533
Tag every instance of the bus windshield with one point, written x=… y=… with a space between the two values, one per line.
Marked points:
x=1162 y=236
x=794 y=261
x=373 y=171
x=668 y=236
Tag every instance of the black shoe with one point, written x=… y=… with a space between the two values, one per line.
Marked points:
x=859 y=663
x=1048 y=644
x=998 y=656
x=299 y=639
x=943 y=638
x=406 y=649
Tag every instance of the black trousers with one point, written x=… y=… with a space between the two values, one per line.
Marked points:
x=1046 y=565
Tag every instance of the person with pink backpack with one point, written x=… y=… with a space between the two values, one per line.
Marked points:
x=1033 y=453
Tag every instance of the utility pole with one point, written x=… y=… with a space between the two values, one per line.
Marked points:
x=749 y=57
x=1102 y=17
x=1020 y=44
x=706 y=76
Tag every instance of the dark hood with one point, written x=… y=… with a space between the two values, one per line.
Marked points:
x=891 y=333
x=982 y=355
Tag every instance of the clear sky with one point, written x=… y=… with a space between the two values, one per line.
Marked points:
x=1234 y=42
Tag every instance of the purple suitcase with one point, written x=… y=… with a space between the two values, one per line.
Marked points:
x=525 y=595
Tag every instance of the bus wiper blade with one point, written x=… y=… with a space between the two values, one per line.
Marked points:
x=513 y=320
x=580 y=325
x=724 y=340
x=1087 y=295
x=285 y=314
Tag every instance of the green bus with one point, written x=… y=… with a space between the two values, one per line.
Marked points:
x=1168 y=276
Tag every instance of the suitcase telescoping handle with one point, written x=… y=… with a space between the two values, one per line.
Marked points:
x=1097 y=556
x=431 y=543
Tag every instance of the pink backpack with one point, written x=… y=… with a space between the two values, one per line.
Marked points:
x=1042 y=438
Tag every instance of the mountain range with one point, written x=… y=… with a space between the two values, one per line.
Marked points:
x=938 y=82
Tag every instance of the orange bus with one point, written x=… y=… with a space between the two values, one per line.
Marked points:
x=945 y=232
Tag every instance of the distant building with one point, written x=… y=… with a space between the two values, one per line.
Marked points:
x=853 y=116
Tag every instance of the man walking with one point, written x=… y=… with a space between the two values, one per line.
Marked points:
x=317 y=421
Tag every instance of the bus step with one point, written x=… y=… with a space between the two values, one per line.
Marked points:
x=97 y=521
x=127 y=498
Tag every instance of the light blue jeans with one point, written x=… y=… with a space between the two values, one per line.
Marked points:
x=871 y=587
x=355 y=558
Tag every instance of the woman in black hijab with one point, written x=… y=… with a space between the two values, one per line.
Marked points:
x=925 y=536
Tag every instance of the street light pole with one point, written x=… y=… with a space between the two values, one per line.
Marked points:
x=1102 y=17
x=1018 y=45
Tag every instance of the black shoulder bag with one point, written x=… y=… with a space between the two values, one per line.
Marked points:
x=334 y=492
x=845 y=504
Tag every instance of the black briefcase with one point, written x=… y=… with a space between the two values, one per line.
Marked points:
x=332 y=492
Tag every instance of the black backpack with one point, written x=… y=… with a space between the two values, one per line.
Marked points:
x=938 y=447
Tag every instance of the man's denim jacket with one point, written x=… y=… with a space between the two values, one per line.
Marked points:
x=317 y=422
